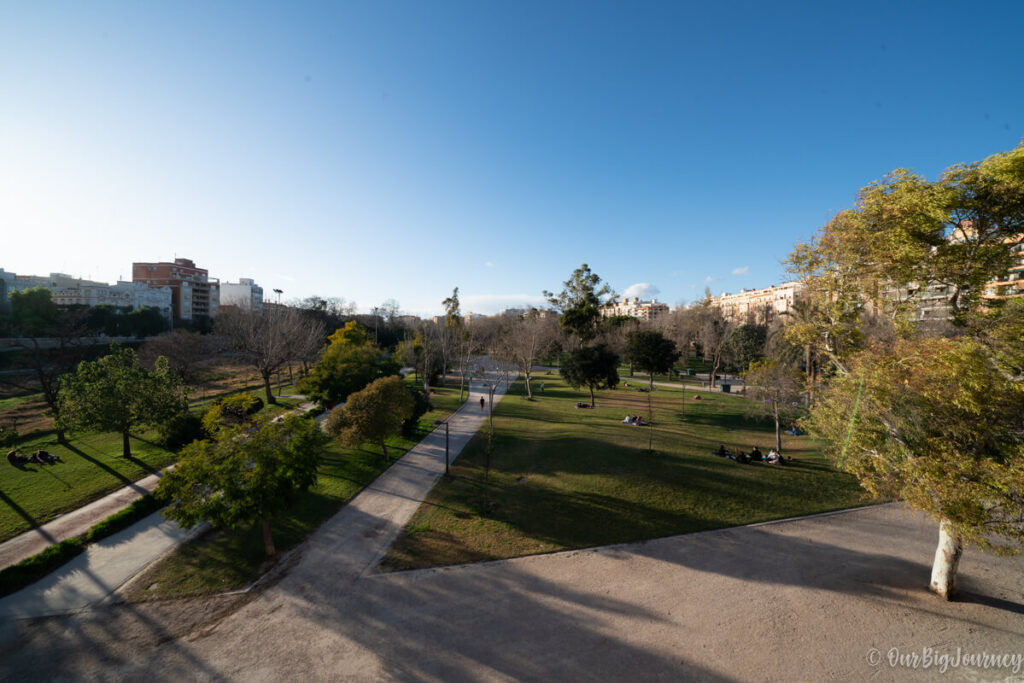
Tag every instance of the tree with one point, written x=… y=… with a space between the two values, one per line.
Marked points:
x=652 y=352
x=184 y=351
x=350 y=362
x=524 y=340
x=747 y=344
x=116 y=394
x=713 y=332
x=33 y=313
x=935 y=421
x=776 y=387
x=267 y=339
x=579 y=303
x=373 y=414
x=594 y=367
x=244 y=474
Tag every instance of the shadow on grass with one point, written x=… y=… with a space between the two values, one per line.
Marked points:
x=25 y=516
x=102 y=465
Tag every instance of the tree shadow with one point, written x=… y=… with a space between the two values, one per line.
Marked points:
x=26 y=516
x=102 y=465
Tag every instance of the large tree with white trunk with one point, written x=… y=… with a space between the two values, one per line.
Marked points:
x=937 y=421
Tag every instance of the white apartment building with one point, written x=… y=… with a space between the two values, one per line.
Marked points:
x=66 y=290
x=760 y=306
x=244 y=294
x=635 y=307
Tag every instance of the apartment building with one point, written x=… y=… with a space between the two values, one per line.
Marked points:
x=66 y=290
x=635 y=307
x=244 y=294
x=760 y=306
x=194 y=293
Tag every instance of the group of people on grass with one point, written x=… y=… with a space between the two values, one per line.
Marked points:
x=634 y=420
x=773 y=457
x=16 y=458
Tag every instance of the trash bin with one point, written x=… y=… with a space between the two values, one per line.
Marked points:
x=726 y=388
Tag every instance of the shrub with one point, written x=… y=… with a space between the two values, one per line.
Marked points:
x=233 y=409
x=143 y=507
x=36 y=567
x=8 y=436
x=181 y=431
x=421 y=404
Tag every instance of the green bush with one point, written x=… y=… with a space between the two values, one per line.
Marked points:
x=421 y=404
x=182 y=431
x=8 y=436
x=143 y=507
x=36 y=567
x=232 y=409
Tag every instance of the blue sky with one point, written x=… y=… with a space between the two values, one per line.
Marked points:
x=375 y=150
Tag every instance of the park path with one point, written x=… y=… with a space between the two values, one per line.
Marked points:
x=380 y=511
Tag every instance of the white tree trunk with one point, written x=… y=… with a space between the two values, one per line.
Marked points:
x=947 y=558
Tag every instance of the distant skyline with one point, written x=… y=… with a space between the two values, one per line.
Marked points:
x=396 y=150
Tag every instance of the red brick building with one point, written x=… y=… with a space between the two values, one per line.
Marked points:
x=193 y=293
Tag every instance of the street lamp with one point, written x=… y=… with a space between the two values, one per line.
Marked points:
x=445 y=423
x=279 y=292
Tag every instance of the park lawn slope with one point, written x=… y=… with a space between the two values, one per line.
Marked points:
x=91 y=466
x=564 y=478
x=230 y=559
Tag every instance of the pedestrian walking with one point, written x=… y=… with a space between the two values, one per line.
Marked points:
x=481 y=403
x=542 y=387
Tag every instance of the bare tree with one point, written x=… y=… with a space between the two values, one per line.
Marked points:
x=713 y=333
x=184 y=351
x=267 y=339
x=524 y=340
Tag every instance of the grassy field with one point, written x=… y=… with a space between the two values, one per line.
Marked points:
x=564 y=478
x=231 y=559
x=91 y=466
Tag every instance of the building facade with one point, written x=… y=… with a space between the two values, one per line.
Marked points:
x=244 y=294
x=193 y=293
x=760 y=306
x=634 y=307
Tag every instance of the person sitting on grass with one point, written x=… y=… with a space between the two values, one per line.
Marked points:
x=629 y=420
x=639 y=422
x=756 y=455
x=16 y=458
x=774 y=458
x=722 y=452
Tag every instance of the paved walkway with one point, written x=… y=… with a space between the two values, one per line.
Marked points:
x=383 y=508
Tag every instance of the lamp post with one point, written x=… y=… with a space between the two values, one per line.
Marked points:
x=445 y=423
x=278 y=292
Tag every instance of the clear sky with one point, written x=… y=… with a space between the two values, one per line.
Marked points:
x=375 y=150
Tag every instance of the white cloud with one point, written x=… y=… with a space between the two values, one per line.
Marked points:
x=488 y=264
x=741 y=271
x=496 y=303
x=644 y=290
x=709 y=279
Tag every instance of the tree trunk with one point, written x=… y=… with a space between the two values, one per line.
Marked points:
x=384 y=447
x=62 y=439
x=714 y=370
x=266 y=387
x=778 y=433
x=650 y=419
x=268 y=538
x=947 y=559
x=529 y=391
x=126 y=448
x=591 y=397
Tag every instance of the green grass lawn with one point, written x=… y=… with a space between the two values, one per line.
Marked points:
x=564 y=478
x=13 y=401
x=92 y=467
x=231 y=559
